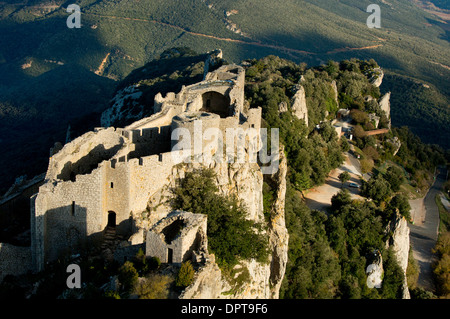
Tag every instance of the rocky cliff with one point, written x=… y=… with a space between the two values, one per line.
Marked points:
x=251 y=278
x=399 y=241
x=385 y=105
x=298 y=104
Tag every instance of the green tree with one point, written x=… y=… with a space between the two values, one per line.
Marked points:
x=230 y=235
x=401 y=203
x=393 y=277
x=185 y=275
x=376 y=188
x=312 y=270
x=340 y=199
x=128 y=275
x=395 y=176
x=345 y=146
x=344 y=177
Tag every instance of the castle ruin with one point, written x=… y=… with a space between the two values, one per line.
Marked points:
x=102 y=178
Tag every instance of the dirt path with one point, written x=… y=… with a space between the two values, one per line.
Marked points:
x=101 y=68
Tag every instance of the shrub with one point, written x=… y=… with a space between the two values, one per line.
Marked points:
x=366 y=165
x=344 y=177
x=154 y=286
x=128 y=275
x=395 y=176
x=110 y=294
x=153 y=263
x=185 y=275
x=441 y=268
x=401 y=203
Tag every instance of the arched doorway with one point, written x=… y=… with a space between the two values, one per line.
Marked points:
x=214 y=102
x=111 y=219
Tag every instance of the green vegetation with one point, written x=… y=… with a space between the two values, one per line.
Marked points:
x=128 y=275
x=328 y=253
x=441 y=268
x=424 y=109
x=153 y=286
x=270 y=81
x=185 y=275
x=231 y=237
x=344 y=177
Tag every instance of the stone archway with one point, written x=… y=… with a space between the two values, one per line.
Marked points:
x=214 y=102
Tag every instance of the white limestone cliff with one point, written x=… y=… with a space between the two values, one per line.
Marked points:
x=399 y=241
x=385 y=105
x=298 y=104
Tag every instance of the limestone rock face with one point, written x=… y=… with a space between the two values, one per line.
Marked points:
x=207 y=282
x=335 y=90
x=298 y=104
x=385 y=105
x=282 y=107
x=400 y=244
x=375 y=272
x=377 y=80
x=278 y=234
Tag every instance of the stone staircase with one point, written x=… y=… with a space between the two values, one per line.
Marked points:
x=108 y=243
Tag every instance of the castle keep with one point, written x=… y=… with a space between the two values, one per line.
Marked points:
x=103 y=178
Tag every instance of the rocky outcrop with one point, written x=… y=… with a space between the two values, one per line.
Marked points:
x=399 y=242
x=278 y=234
x=121 y=104
x=214 y=58
x=375 y=271
x=395 y=141
x=298 y=104
x=207 y=282
x=385 y=105
x=282 y=107
x=377 y=78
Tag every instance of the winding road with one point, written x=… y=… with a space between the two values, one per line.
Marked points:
x=424 y=234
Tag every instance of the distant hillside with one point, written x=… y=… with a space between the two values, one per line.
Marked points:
x=421 y=107
x=118 y=36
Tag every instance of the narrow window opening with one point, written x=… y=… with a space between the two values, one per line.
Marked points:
x=73 y=208
x=170 y=255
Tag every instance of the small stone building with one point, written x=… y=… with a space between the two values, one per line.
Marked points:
x=179 y=237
